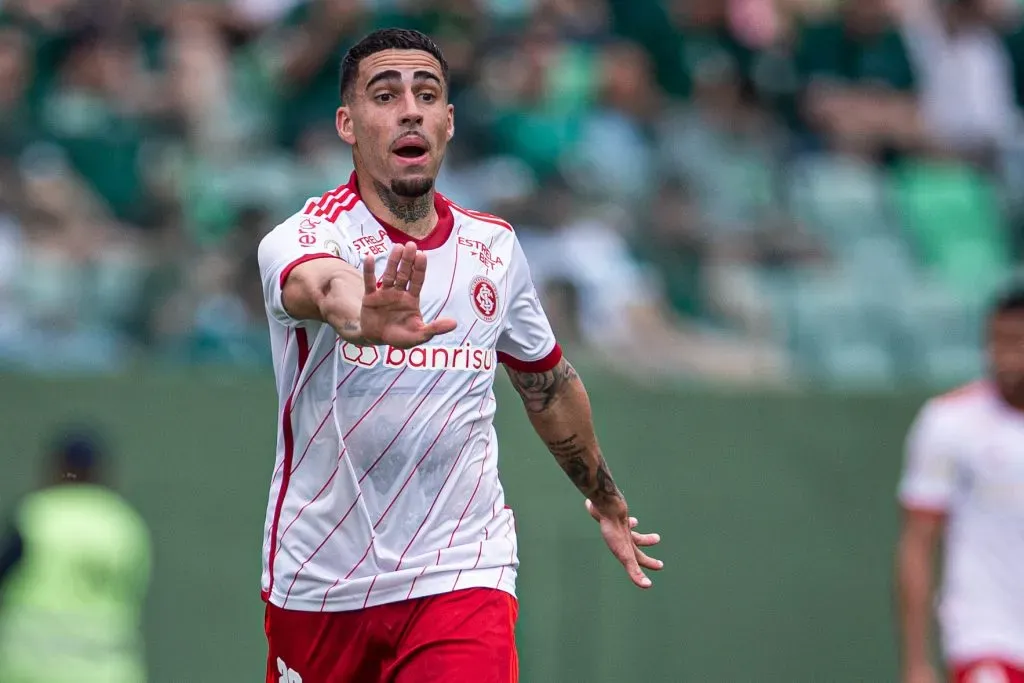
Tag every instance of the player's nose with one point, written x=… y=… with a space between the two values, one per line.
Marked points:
x=410 y=113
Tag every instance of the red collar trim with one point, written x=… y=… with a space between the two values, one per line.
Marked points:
x=434 y=239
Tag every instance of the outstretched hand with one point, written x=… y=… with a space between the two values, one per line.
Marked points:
x=625 y=544
x=391 y=312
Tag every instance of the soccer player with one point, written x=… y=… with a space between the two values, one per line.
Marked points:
x=963 y=483
x=389 y=552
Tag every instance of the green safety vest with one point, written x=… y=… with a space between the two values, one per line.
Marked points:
x=71 y=610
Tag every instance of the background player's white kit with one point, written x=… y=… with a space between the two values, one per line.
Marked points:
x=965 y=458
x=386 y=483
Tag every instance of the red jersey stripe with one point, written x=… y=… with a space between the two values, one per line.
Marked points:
x=416 y=466
x=483 y=466
x=304 y=383
x=299 y=261
x=451 y=471
x=289 y=451
x=323 y=605
x=481 y=216
x=322 y=544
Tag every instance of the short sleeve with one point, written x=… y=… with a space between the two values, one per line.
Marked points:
x=297 y=240
x=929 y=471
x=527 y=343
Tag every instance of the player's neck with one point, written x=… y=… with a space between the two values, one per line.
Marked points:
x=415 y=216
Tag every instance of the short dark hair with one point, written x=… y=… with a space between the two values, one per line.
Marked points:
x=387 y=39
x=1009 y=300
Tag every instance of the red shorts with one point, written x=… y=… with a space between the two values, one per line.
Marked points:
x=463 y=637
x=987 y=671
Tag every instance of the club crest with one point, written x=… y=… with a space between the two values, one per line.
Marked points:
x=483 y=296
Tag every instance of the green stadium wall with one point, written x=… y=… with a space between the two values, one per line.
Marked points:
x=776 y=510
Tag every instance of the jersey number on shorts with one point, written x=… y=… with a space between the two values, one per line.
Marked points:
x=287 y=675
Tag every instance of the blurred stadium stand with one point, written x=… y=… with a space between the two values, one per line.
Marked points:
x=766 y=190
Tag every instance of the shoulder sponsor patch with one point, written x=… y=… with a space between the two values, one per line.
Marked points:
x=307 y=231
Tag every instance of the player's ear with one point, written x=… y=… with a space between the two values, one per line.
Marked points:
x=451 y=122
x=343 y=124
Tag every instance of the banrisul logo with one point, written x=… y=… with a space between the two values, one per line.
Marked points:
x=464 y=357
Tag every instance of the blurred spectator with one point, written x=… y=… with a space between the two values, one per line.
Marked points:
x=859 y=85
x=308 y=47
x=17 y=125
x=74 y=575
x=966 y=77
x=721 y=153
x=613 y=155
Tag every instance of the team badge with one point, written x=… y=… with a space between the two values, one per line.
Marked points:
x=484 y=296
x=333 y=247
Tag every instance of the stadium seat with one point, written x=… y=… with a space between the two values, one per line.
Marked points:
x=733 y=181
x=951 y=214
x=881 y=264
x=842 y=199
x=839 y=331
x=939 y=331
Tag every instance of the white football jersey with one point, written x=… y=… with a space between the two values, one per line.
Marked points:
x=965 y=460
x=385 y=485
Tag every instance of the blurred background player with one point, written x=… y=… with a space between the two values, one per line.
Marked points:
x=390 y=553
x=74 y=573
x=964 y=484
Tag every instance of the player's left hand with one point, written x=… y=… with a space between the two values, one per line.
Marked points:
x=625 y=543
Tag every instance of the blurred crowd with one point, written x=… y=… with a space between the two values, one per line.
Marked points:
x=719 y=188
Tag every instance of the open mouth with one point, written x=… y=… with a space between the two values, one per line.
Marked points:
x=411 y=151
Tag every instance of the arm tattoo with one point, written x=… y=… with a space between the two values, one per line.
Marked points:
x=578 y=456
x=348 y=331
x=540 y=389
x=596 y=484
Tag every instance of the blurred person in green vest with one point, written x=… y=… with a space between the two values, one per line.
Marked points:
x=74 y=573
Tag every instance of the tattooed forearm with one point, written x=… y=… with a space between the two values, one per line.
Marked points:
x=586 y=468
x=540 y=389
x=566 y=448
x=559 y=410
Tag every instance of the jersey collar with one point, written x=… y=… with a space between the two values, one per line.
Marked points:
x=434 y=239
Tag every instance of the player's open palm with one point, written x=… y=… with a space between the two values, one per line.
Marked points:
x=391 y=311
x=625 y=544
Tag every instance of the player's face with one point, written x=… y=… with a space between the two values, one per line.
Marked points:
x=398 y=120
x=1006 y=352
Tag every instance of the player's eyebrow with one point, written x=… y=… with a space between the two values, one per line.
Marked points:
x=426 y=76
x=394 y=75
x=389 y=75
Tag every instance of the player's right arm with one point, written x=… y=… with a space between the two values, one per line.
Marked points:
x=326 y=290
x=310 y=272
x=925 y=490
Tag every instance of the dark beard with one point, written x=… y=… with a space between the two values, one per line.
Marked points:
x=407 y=200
